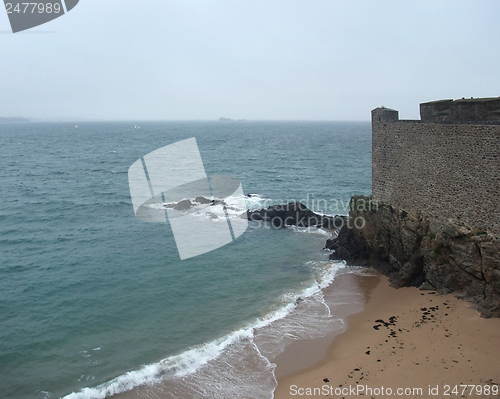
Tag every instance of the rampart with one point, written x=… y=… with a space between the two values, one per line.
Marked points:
x=445 y=165
x=436 y=225
x=483 y=110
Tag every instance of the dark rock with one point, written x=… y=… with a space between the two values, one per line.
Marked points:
x=217 y=202
x=431 y=253
x=426 y=286
x=203 y=200
x=183 y=205
x=297 y=214
x=349 y=247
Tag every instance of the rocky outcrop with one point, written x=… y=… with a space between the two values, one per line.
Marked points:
x=296 y=214
x=186 y=204
x=413 y=249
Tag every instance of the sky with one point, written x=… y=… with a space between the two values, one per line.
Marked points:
x=249 y=59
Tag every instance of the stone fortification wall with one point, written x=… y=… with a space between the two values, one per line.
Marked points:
x=451 y=171
x=484 y=110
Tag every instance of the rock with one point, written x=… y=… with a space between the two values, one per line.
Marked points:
x=203 y=200
x=297 y=214
x=183 y=205
x=414 y=249
x=349 y=247
x=217 y=202
x=188 y=203
x=426 y=286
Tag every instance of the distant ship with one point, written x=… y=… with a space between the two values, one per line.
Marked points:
x=76 y=126
x=136 y=127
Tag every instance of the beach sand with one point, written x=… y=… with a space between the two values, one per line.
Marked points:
x=415 y=343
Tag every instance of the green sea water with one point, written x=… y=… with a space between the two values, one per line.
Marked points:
x=94 y=302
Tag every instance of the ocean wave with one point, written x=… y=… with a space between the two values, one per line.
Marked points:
x=300 y=314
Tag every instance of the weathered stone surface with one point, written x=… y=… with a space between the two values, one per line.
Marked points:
x=348 y=246
x=441 y=175
x=412 y=249
x=450 y=171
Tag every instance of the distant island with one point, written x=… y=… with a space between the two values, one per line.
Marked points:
x=13 y=119
x=222 y=119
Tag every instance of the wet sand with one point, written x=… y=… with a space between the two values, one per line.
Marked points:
x=345 y=296
x=406 y=341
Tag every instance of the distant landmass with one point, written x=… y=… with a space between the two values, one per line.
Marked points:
x=58 y=119
x=13 y=119
x=45 y=119
x=222 y=119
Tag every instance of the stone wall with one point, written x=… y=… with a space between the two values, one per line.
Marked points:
x=485 y=110
x=450 y=171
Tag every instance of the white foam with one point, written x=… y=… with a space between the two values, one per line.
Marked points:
x=311 y=317
x=311 y=230
x=256 y=202
x=239 y=361
x=240 y=372
x=126 y=382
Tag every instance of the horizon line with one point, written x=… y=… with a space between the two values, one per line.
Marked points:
x=227 y=120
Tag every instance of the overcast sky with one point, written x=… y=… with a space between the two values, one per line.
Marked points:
x=250 y=59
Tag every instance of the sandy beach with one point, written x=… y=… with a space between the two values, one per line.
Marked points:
x=406 y=342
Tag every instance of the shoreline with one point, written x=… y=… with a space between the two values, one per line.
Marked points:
x=425 y=341
x=312 y=351
x=252 y=359
x=344 y=296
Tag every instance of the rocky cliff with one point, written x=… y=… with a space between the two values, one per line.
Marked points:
x=413 y=249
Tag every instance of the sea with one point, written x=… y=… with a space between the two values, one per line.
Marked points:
x=95 y=302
